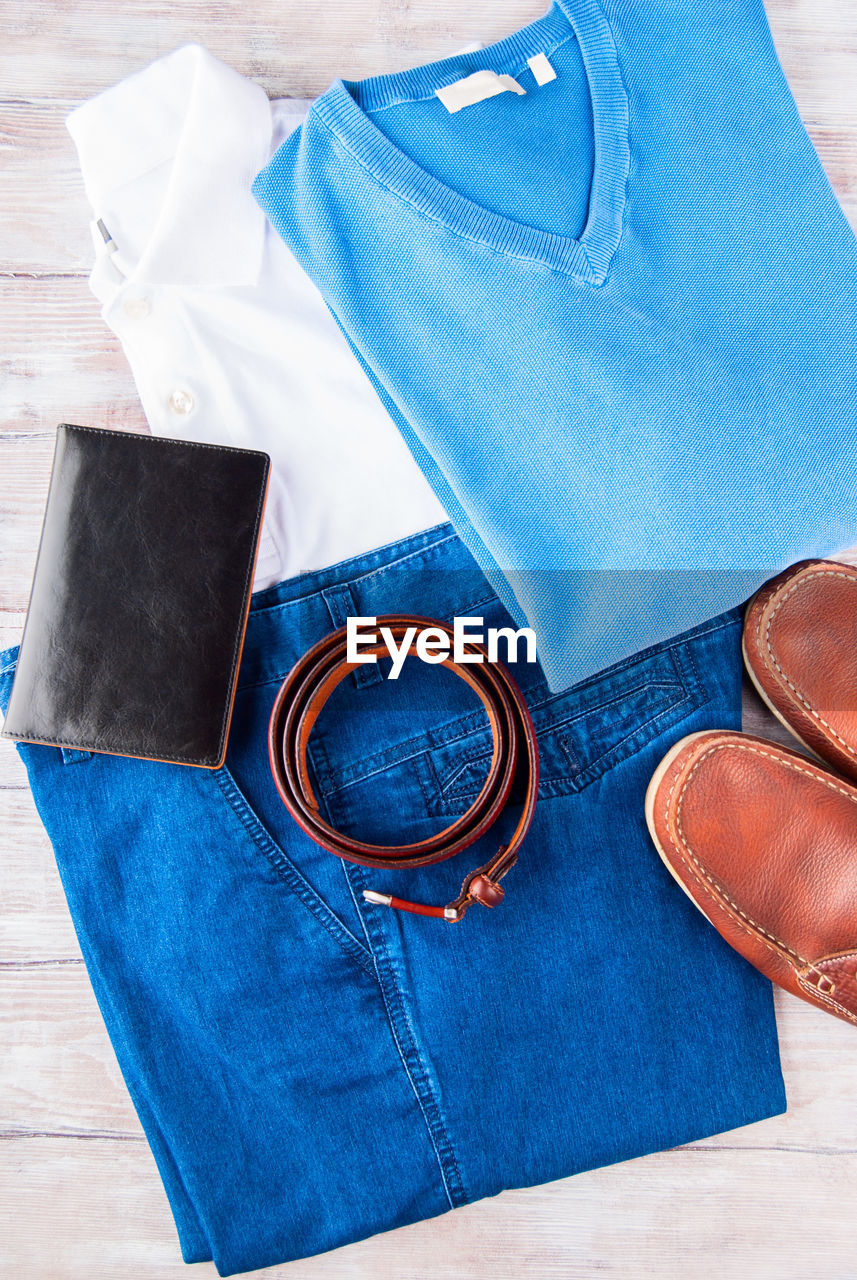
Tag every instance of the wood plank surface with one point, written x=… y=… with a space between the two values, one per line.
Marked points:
x=59 y=361
x=80 y=1198
x=62 y=50
x=672 y=1214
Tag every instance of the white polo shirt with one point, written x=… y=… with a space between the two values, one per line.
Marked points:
x=227 y=338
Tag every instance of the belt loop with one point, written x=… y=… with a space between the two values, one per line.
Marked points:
x=341 y=605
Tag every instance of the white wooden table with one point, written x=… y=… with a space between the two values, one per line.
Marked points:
x=79 y=1195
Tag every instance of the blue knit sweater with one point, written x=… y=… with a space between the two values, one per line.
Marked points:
x=615 y=314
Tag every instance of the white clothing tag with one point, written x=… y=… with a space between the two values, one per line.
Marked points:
x=476 y=88
x=541 y=69
x=104 y=240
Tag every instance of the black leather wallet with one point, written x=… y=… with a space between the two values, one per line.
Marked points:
x=140 y=597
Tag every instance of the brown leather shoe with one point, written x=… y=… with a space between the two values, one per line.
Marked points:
x=800 y=650
x=764 y=842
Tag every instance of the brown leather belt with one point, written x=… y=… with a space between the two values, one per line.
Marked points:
x=298 y=706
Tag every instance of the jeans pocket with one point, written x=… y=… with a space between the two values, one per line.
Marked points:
x=582 y=732
x=287 y=870
x=405 y=792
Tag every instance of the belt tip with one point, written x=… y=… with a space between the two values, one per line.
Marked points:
x=382 y=899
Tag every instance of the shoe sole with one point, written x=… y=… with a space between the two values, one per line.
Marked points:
x=657 y=778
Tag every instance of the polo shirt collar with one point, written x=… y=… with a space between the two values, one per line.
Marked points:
x=168 y=158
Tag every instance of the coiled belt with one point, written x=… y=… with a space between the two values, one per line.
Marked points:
x=299 y=703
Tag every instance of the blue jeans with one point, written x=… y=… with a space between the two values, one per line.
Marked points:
x=310 y=1069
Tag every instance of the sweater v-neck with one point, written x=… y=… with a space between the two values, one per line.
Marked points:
x=345 y=109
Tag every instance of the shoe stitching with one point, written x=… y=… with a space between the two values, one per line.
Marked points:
x=752 y=927
x=801 y=580
x=767 y=937
x=819 y=995
x=838 y=957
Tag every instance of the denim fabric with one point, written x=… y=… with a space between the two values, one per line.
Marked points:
x=310 y=1069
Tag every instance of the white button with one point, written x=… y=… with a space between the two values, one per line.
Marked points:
x=181 y=402
x=137 y=308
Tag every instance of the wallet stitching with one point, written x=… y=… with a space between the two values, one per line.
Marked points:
x=201 y=760
x=236 y=652
x=147 y=435
x=108 y=750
